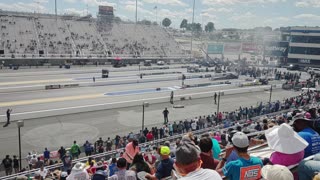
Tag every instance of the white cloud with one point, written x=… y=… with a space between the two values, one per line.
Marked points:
x=25 y=7
x=74 y=11
x=307 y=3
x=214 y=10
x=233 y=2
x=307 y=17
x=93 y=2
x=167 y=2
x=131 y=2
x=132 y=8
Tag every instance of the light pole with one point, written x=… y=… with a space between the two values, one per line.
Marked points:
x=145 y=104
x=218 y=103
x=136 y=11
x=270 y=94
x=20 y=124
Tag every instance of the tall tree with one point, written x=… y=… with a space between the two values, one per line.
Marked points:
x=166 y=22
x=184 y=24
x=210 y=27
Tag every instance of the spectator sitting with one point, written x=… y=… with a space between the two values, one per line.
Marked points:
x=78 y=171
x=302 y=125
x=245 y=167
x=216 y=149
x=123 y=173
x=206 y=154
x=100 y=173
x=276 y=172
x=138 y=164
x=308 y=168
x=188 y=163
x=287 y=144
x=113 y=167
x=166 y=165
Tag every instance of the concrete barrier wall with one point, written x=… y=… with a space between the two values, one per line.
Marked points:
x=122 y=104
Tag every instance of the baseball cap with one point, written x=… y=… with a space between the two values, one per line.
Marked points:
x=276 y=172
x=64 y=174
x=240 y=140
x=187 y=152
x=165 y=150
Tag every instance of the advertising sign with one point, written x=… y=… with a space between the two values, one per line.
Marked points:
x=105 y=10
x=249 y=47
x=232 y=48
x=215 y=48
x=279 y=49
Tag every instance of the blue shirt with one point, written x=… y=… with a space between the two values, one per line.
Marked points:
x=243 y=169
x=46 y=154
x=216 y=150
x=164 y=168
x=112 y=169
x=233 y=156
x=313 y=138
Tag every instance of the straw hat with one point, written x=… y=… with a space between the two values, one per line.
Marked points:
x=283 y=139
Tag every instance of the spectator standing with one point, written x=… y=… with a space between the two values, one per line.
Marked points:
x=216 y=150
x=7 y=163
x=87 y=148
x=46 y=155
x=245 y=167
x=108 y=144
x=149 y=136
x=61 y=152
x=165 y=115
x=190 y=168
x=75 y=150
x=215 y=98
x=8 y=115
x=67 y=161
x=131 y=150
x=15 y=164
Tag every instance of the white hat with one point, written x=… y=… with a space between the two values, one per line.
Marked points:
x=240 y=140
x=276 y=172
x=64 y=174
x=78 y=167
x=284 y=140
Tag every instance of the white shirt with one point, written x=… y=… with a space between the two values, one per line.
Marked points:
x=43 y=173
x=203 y=174
x=78 y=175
x=194 y=126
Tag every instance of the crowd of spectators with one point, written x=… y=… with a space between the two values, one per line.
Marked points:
x=63 y=37
x=201 y=157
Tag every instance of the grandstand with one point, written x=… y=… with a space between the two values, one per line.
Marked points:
x=28 y=35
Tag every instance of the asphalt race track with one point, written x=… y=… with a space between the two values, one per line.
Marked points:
x=53 y=132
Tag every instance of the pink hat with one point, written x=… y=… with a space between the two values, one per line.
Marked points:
x=308 y=115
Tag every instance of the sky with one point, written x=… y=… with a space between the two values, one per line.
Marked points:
x=242 y=14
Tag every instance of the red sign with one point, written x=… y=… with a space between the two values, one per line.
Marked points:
x=249 y=47
x=232 y=48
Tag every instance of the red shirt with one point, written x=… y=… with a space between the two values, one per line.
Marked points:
x=149 y=136
x=208 y=162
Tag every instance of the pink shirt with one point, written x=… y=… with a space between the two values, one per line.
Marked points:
x=130 y=152
x=286 y=159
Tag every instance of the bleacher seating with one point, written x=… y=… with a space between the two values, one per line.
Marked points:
x=27 y=35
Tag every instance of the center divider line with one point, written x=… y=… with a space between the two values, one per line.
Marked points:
x=35 y=81
x=138 y=100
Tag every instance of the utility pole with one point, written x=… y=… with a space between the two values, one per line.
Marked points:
x=55 y=9
x=270 y=94
x=136 y=11
x=218 y=103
